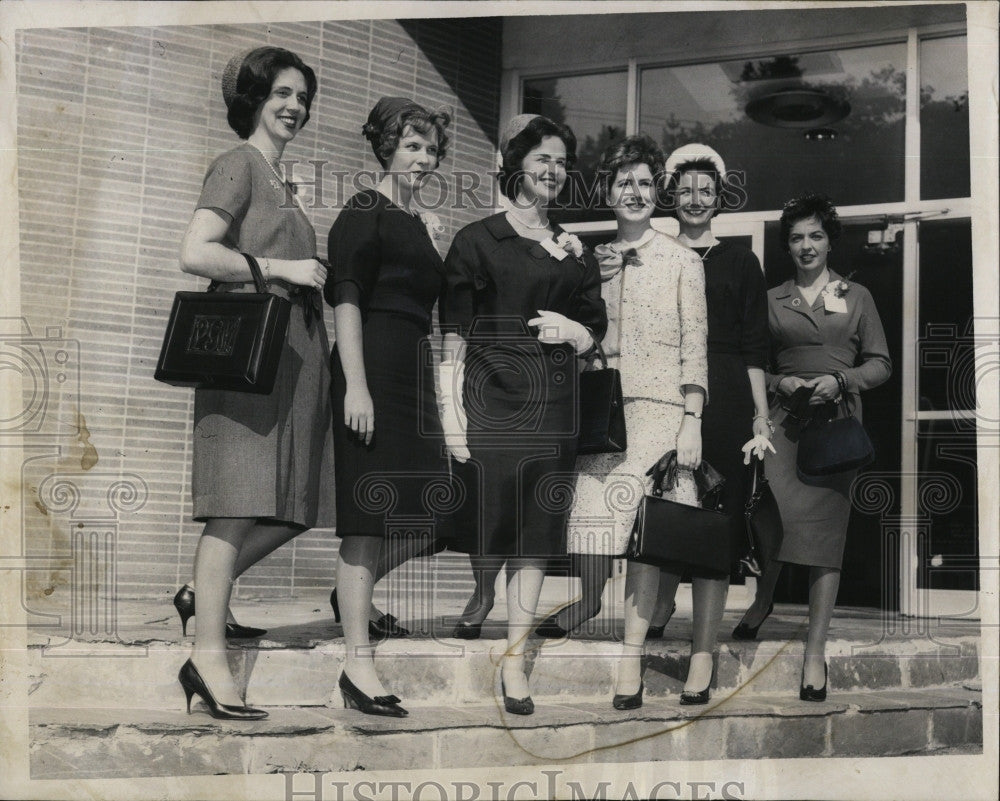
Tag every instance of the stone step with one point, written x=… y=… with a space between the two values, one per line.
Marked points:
x=289 y=669
x=69 y=743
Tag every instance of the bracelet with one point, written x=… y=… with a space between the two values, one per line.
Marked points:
x=267 y=269
x=766 y=419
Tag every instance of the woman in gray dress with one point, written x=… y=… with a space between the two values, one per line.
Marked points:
x=262 y=463
x=826 y=336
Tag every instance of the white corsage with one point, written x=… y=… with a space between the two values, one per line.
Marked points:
x=839 y=287
x=571 y=244
x=435 y=228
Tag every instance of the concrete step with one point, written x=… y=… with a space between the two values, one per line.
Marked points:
x=299 y=666
x=112 y=743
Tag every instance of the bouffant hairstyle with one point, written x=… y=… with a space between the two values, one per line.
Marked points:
x=254 y=81
x=512 y=155
x=703 y=165
x=385 y=138
x=802 y=208
x=633 y=150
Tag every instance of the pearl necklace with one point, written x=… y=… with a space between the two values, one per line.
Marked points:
x=519 y=221
x=278 y=175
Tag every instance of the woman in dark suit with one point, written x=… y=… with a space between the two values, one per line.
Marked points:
x=523 y=300
x=826 y=338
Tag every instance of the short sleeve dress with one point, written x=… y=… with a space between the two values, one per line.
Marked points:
x=267 y=456
x=657 y=332
x=520 y=394
x=809 y=341
x=399 y=482
x=736 y=295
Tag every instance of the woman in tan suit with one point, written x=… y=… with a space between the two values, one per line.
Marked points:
x=654 y=289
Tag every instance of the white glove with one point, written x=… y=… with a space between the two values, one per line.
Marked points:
x=757 y=447
x=554 y=328
x=451 y=378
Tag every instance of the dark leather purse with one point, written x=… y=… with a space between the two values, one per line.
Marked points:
x=830 y=444
x=762 y=520
x=666 y=531
x=601 y=409
x=225 y=340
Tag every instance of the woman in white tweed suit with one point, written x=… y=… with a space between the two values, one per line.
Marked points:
x=654 y=289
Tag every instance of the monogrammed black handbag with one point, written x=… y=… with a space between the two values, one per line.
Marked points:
x=225 y=340
x=601 y=410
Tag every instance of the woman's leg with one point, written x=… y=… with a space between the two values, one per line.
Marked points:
x=823 y=585
x=665 y=597
x=641 y=581
x=214 y=570
x=485 y=570
x=593 y=570
x=708 y=598
x=524 y=585
x=764 y=596
x=356 y=566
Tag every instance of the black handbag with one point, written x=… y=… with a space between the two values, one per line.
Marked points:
x=601 y=409
x=225 y=340
x=830 y=444
x=666 y=531
x=762 y=521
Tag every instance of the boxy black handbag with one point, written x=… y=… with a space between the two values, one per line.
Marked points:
x=666 y=531
x=225 y=340
x=601 y=410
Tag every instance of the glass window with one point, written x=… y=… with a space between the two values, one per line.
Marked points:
x=594 y=106
x=944 y=118
x=946 y=366
x=796 y=137
x=947 y=501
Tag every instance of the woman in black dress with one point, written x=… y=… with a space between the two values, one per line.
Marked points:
x=522 y=302
x=735 y=420
x=386 y=278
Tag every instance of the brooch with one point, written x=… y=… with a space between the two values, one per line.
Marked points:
x=796 y=301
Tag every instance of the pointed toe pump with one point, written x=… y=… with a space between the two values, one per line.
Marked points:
x=745 y=632
x=380 y=629
x=193 y=684
x=809 y=693
x=633 y=701
x=516 y=706
x=184 y=604
x=385 y=705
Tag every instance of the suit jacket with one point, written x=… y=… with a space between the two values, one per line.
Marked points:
x=657 y=321
x=811 y=341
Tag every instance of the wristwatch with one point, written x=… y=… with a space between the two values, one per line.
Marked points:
x=695 y=415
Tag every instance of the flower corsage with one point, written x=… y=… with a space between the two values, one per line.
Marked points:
x=433 y=224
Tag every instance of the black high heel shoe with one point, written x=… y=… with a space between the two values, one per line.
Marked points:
x=467 y=631
x=194 y=684
x=386 y=705
x=184 y=604
x=550 y=629
x=656 y=632
x=810 y=693
x=633 y=701
x=516 y=706
x=689 y=698
x=745 y=632
x=385 y=626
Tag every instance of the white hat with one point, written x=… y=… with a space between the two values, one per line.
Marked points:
x=694 y=152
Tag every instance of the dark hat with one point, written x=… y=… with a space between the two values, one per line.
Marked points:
x=230 y=75
x=384 y=113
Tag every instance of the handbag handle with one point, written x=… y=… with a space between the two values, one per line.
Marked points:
x=597 y=354
x=258 y=276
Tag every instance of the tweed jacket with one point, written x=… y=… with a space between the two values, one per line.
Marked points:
x=657 y=321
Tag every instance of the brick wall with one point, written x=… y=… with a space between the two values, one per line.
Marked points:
x=115 y=130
